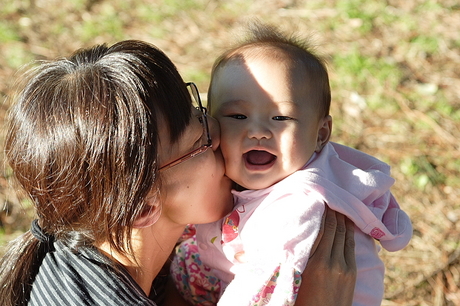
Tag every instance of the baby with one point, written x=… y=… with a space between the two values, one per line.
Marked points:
x=271 y=96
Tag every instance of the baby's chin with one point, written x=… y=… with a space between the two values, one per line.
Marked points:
x=254 y=182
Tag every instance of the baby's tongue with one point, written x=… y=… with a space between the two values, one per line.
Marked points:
x=259 y=157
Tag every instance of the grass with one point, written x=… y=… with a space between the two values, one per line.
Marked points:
x=395 y=76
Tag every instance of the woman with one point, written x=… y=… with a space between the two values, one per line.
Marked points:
x=117 y=162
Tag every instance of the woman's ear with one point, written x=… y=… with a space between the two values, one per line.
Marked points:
x=324 y=133
x=149 y=215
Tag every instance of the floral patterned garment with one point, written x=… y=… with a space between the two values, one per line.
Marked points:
x=194 y=280
x=197 y=284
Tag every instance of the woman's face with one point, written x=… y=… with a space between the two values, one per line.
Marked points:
x=196 y=190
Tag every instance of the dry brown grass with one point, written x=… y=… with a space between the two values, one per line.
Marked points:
x=409 y=118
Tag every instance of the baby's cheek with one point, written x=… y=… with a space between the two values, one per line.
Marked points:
x=229 y=151
x=233 y=172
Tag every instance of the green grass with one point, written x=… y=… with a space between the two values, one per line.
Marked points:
x=423 y=172
x=8 y=32
x=372 y=77
x=107 y=23
x=395 y=63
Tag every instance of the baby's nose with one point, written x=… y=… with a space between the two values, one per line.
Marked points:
x=259 y=131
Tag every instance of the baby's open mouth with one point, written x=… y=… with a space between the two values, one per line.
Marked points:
x=259 y=158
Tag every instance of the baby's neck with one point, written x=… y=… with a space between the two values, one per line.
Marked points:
x=238 y=187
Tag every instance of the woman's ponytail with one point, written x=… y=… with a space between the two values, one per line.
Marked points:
x=18 y=268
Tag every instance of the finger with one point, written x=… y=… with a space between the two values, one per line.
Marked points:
x=241 y=257
x=350 y=258
x=323 y=219
x=328 y=237
x=320 y=233
x=338 y=247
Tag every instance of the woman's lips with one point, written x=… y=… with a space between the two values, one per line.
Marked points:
x=258 y=160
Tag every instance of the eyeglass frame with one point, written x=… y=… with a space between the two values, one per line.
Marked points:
x=204 y=120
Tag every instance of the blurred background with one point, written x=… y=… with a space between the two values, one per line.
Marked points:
x=395 y=77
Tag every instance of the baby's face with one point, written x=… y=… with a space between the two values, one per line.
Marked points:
x=269 y=129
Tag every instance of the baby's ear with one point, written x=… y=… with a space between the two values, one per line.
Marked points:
x=324 y=132
x=149 y=215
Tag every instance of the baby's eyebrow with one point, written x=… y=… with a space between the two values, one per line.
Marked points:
x=288 y=102
x=285 y=106
x=232 y=102
x=289 y=105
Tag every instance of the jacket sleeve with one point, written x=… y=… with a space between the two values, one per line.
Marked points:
x=386 y=208
x=399 y=224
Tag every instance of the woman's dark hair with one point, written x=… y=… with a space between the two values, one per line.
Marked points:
x=82 y=142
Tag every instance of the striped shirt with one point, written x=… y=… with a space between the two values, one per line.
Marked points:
x=83 y=277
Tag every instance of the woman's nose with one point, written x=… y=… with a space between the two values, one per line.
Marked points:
x=214 y=131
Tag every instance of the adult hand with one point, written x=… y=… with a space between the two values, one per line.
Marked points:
x=330 y=276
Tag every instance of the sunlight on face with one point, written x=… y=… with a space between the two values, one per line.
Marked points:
x=269 y=127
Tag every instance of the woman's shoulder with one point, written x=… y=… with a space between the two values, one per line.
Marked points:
x=83 y=277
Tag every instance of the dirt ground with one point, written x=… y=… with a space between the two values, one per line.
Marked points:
x=395 y=75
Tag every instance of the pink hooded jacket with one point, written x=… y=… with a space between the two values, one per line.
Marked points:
x=277 y=226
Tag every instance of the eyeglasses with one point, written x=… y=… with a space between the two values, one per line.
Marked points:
x=196 y=102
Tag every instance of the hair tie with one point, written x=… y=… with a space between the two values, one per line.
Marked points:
x=38 y=233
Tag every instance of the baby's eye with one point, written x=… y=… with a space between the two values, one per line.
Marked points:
x=282 y=118
x=238 y=116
